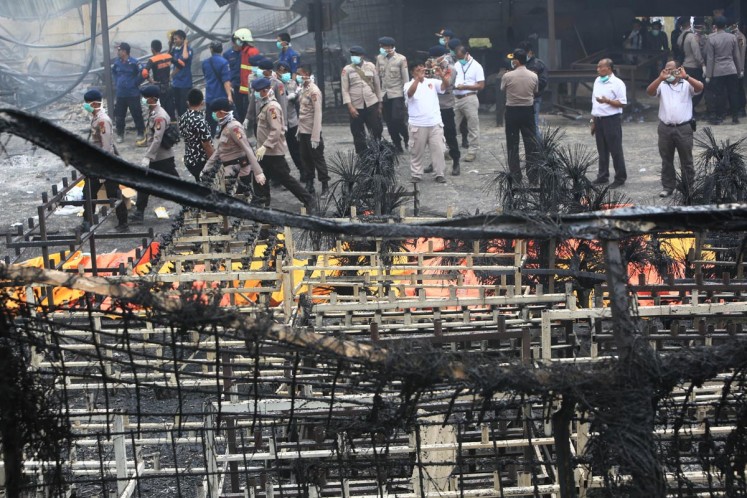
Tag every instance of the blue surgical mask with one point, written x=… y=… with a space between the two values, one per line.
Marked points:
x=257 y=71
x=355 y=59
x=382 y=51
x=285 y=77
x=279 y=45
x=655 y=32
x=257 y=96
x=463 y=62
x=604 y=79
x=143 y=101
x=670 y=79
x=453 y=54
x=299 y=79
x=215 y=116
x=441 y=41
x=88 y=107
x=529 y=57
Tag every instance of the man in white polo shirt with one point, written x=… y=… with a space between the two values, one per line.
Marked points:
x=470 y=79
x=607 y=102
x=425 y=125
x=675 y=89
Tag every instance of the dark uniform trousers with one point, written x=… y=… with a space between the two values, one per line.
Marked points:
x=91 y=189
x=609 y=143
x=295 y=150
x=679 y=138
x=450 y=133
x=520 y=120
x=120 y=113
x=167 y=166
x=167 y=100
x=313 y=160
x=276 y=169
x=394 y=117
x=241 y=101
x=726 y=89
x=696 y=73
x=180 y=100
x=370 y=118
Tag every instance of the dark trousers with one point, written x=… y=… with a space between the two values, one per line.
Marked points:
x=313 y=160
x=241 y=101
x=367 y=118
x=520 y=120
x=120 y=113
x=450 y=133
x=276 y=169
x=696 y=73
x=112 y=192
x=609 y=136
x=725 y=90
x=295 y=149
x=167 y=101
x=395 y=119
x=679 y=138
x=167 y=166
x=180 y=100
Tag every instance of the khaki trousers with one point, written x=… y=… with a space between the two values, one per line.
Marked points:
x=467 y=108
x=433 y=137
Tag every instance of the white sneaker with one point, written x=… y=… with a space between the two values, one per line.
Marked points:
x=470 y=157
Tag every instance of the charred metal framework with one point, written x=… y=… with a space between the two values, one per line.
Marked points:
x=257 y=367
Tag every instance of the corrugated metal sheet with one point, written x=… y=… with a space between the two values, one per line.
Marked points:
x=37 y=9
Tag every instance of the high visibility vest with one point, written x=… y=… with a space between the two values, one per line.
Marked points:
x=246 y=69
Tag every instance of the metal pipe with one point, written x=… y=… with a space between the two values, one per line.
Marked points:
x=108 y=83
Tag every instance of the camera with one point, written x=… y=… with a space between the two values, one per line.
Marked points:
x=431 y=65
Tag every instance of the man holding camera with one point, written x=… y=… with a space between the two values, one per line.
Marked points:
x=675 y=89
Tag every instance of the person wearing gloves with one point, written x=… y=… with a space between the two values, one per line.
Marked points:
x=234 y=150
x=102 y=136
x=283 y=70
x=310 y=131
x=265 y=70
x=158 y=157
x=271 y=147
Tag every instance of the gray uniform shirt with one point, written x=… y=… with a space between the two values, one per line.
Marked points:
x=310 y=113
x=278 y=89
x=355 y=90
x=690 y=45
x=158 y=121
x=722 y=55
x=233 y=144
x=392 y=74
x=271 y=128
x=291 y=93
x=101 y=132
x=446 y=100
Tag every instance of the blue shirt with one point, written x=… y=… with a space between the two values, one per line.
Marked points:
x=183 y=78
x=126 y=76
x=234 y=62
x=216 y=72
x=290 y=57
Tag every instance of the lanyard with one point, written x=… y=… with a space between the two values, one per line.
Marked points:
x=465 y=68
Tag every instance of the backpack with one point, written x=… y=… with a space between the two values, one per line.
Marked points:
x=170 y=136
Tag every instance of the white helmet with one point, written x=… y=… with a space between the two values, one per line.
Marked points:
x=243 y=35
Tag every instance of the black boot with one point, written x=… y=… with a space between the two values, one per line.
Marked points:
x=325 y=188
x=455 y=170
x=310 y=187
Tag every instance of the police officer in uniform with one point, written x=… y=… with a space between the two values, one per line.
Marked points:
x=310 y=130
x=393 y=74
x=158 y=157
x=439 y=56
x=103 y=137
x=291 y=93
x=234 y=150
x=361 y=93
x=271 y=148
x=265 y=70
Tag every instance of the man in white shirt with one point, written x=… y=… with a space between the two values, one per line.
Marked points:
x=607 y=102
x=675 y=89
x=424 y=122
x=470 y=79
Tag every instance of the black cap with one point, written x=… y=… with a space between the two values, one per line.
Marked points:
x=260 y=84
x=720 y=22
x=357 y=50
x=436 y=51
x=447 y=32
x=124 y=46
x=93 y=95
x=150 y=91
x=387 y=41
x=254 y=59
x=454 y=43
x=519 y=54
x=216 y=47
x=656 y=23
x=283 y=64
x=265 y=64
x=221 y=104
